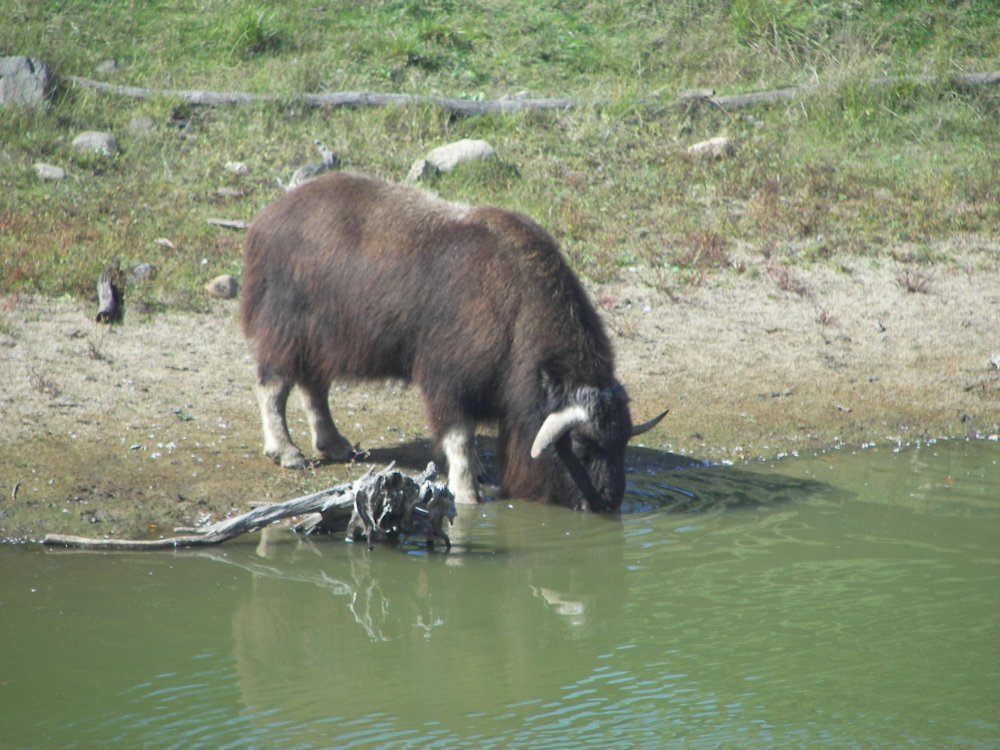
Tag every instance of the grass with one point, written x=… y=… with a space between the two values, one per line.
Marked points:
x=856 y=168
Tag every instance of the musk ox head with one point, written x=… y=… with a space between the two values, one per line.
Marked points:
x=589 y=434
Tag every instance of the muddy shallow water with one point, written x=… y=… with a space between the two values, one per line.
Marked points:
x=846 y=599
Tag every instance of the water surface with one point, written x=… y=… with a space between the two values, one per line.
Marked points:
x=846 y=600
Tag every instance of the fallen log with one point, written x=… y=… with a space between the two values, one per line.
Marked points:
x=333 y=100
x=377 y=506
x=730 y=102
x=465 y=107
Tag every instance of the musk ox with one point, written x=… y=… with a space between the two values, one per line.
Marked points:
x=351 y=277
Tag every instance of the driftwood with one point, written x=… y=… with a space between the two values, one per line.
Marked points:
x=379 y=507
x=464 y=107
x=109 y=295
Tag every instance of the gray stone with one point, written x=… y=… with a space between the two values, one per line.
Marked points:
x=304 y=174
x=93 y=141
x=24 y=81
x=713 y=148
x=142 y=272
x=222 y=287
x=107 y=67
x=49 y=172
x=420 y=170
x=142 y=124
x=311 y=171
x=447 y=157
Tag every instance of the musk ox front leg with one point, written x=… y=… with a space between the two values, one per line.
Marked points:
x=458 y=444
x=272 y=398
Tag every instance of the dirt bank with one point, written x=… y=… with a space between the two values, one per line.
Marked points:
x=152 y=423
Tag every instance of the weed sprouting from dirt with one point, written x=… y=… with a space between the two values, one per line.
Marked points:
x=824 y=317
x=41 y=383
x=705 y=251
x=786 y=279
x=95 y=350
x=914 y=280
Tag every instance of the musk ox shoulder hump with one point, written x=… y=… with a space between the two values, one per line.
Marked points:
x=377 y=198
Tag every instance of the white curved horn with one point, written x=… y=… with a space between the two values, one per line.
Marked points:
x=647 y=426
x=556 y=425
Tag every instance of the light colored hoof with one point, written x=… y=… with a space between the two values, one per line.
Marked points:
x=293 y=461
x=288 y=459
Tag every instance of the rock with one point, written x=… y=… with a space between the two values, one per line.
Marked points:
x=24 y=81
x=304 y=174
x=330 y=159
x=106 y=68
x=237 y=167
x=93 y=141
x=310 y=171
x=420 y=170
x=142 y=272
x=447 y=157
x=222 y=287
x=713 y=148
x=144 y=124
x=49 y=172
x=224 y=192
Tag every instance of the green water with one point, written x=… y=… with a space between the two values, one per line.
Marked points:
x=850 y=600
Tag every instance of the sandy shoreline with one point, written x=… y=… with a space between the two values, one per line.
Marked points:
x=153 y=423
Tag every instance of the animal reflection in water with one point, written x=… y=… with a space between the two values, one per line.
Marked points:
x=515 y=609
x=387 y=611
x=326 y=615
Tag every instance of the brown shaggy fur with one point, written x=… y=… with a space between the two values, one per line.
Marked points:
x=351 y=277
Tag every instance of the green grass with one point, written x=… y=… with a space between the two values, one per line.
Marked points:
x=855 y=168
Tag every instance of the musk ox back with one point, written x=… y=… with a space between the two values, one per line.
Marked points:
x=350 y=277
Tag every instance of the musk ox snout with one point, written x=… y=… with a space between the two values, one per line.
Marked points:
x=590 y=435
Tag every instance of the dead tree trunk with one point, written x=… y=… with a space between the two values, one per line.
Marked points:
x=383 y=506
x=109 y=295
x=464 y=107
x=333 y=100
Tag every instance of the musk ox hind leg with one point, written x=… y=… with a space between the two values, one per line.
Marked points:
x=458 y=445
x=272 y=397
x=326 y=439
